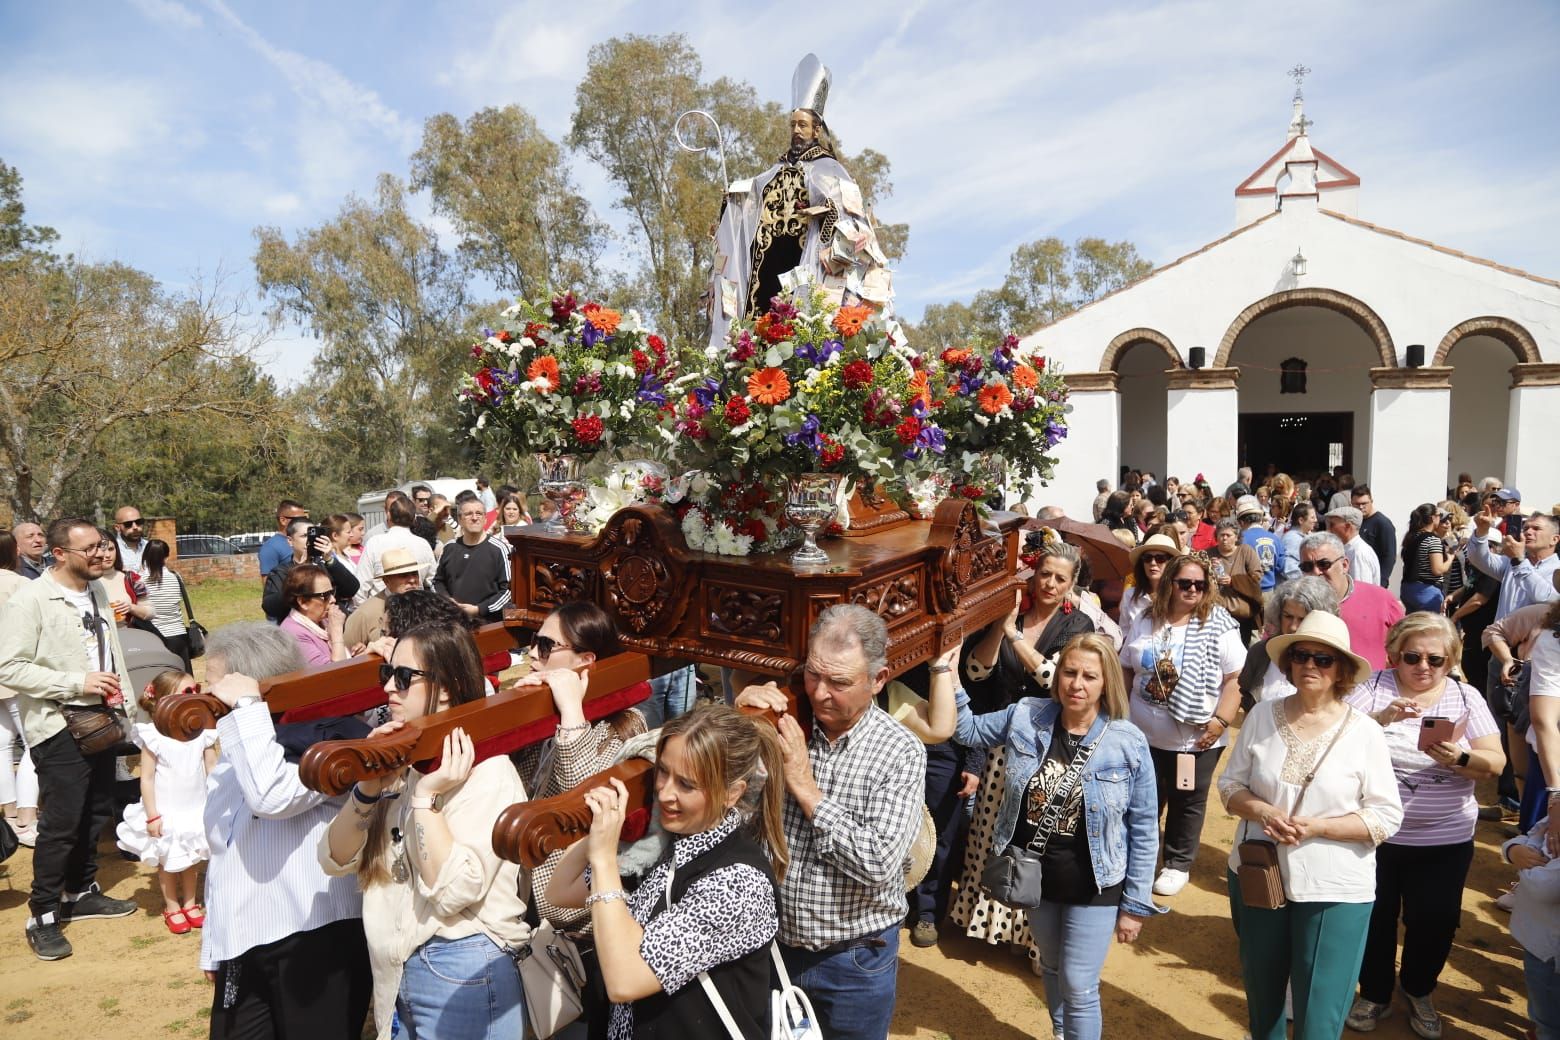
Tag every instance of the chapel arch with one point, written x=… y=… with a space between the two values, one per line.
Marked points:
x=1516 y=338
x=1110 y=361
x=1331 y=299
x=1142 y=359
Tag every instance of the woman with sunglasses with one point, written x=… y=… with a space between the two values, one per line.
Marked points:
x=1421 y=870
x=1148 y=566
x=1182 y=658
x=1425 y=559
x=344 y=578
x=1262 y=679
x=572 y=639
x=441 y=909
x=314 y=620
x=1313 y=776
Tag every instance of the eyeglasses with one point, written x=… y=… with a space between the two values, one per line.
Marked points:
x=1321 y=660
x=402 y=675
x=1317 y=566
x=137 y=522
x=1414 y=657
x=1159 y=558
x=327 y=595
x=545 y=645
x=1191 y=585
x=91 y=550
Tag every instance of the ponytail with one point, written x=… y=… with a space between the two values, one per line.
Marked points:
x=767 y=787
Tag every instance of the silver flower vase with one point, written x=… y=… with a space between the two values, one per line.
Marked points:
x=812 y=499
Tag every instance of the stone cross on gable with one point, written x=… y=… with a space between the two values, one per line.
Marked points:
x=1305 y=123
x=1298 y=74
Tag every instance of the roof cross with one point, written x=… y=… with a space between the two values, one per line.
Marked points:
x=1298 y=74
x=1304 y=123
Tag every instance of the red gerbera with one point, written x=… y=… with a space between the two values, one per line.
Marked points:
x=857 y=374
x=588 y=428
x=504 y=336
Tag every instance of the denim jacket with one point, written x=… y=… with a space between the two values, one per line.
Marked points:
x=1119 y=795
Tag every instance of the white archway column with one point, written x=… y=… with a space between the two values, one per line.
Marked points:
x=1532 y=449
x=1092 y=448
x=1202 y=425
x=1410 y=432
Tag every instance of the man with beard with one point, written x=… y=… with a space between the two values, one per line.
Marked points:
x=801 y=221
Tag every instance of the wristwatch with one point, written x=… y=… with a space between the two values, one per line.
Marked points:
x=245 y=701
x=1462 y=760
x=425 y=801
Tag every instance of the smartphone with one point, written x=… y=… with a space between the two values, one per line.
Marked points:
x=1185 y=772
x=1434 y=729
x=314 y=533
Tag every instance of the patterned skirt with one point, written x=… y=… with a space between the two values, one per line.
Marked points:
x=980 y=917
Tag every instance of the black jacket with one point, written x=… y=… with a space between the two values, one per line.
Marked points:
x=275 y=604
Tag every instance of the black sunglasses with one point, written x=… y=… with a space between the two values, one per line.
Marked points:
x=132 y=523
x=1321 y=660
x=1317 y=566
x=402 y=675
x=1191 y=585
x=1159 y=558
x=1414 y=657
x=328 y=594
x=545 y=645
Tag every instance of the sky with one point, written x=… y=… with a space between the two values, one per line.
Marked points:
x=160 y=133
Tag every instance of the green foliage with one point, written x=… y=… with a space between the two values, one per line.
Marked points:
x=19 y=240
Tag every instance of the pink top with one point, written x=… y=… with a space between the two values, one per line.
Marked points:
x=1439 y=807
x=310 y=637
x=1370 y=611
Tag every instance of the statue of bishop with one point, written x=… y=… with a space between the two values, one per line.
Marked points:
x=800 y=222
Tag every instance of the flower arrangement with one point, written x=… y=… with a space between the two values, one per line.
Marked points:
x=638 y=482
x=1000 y=409
x=803 y=387
x=563 y=376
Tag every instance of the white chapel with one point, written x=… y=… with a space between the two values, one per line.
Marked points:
x=1310 y=338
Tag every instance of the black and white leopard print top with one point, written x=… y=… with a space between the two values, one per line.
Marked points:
x=721 y=917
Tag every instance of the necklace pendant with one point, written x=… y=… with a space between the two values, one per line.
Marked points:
x=399 y=871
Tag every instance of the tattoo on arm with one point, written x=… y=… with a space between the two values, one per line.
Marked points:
x=422 y=843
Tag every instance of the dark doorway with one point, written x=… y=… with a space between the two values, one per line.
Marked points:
x=1302 y=445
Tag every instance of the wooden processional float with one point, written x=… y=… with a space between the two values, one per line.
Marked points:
x=931 y=582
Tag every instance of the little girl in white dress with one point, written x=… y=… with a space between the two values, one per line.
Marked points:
x=165 y=828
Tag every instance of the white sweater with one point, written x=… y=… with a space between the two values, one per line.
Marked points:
x=1270 y=761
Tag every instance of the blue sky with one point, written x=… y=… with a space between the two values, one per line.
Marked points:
x=161 y=132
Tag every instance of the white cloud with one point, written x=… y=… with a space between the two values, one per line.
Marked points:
x=85 y=118
x=168 y=12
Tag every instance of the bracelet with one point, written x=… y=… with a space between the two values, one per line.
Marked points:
x=605 y=897
x=357 y=793
x=578 y=727
x=941 y=669
x=1220 y=719
x=1463 y=760
x=153 y=819
x=424 y=801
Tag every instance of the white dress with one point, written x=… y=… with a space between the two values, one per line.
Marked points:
x=180 y=783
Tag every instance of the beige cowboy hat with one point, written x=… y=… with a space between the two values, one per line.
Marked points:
x=1161 y=542
x=397 y=561
x=1328 y=629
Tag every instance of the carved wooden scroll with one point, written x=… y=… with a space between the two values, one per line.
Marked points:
x=339 y=688
x=496 y=725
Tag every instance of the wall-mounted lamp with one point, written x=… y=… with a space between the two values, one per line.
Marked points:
x=1197 y=357
x=1297 y=264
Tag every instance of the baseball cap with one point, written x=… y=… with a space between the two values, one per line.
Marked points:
x=1509 y=494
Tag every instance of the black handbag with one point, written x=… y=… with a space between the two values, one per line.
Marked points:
x=9 y=842
x=1012 y=876
x=196 y=632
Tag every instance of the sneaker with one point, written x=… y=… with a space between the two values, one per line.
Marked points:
x=1364 y=1015
x=47 y=941
x=1422 y=1017
x=1504 y=900
x=924 y=934
x=1169 y=882
x=93 y=905
x=27 y=835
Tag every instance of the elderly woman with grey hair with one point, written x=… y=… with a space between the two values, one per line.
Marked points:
x=1237 y=576
x=282 y=941
x=1262 y=679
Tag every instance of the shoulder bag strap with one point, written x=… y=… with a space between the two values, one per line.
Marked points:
x=184 y=594
x=1064 y=789
x=1306 y=784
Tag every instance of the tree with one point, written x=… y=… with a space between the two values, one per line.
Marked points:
x=18 y=239
x=386 y=302
x=505 y=186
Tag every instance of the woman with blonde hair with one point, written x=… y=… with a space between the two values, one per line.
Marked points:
x=1079 y=793
x=707 y=910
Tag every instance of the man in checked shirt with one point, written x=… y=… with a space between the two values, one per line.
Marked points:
x=854 y=790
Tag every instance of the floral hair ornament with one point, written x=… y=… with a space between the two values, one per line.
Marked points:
x=1035 y=542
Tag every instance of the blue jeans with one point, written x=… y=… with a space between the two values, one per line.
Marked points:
x=1543 y=987
x=1421 y=595
x=1535 y=800
x=671 y=695
x=460 y=987
x=1072 y=942
x=851 y=991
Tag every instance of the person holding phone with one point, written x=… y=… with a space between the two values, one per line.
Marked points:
x=1442 y=739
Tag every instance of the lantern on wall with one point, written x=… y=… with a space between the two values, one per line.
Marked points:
x=1297 y=264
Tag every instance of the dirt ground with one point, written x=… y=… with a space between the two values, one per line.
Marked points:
x=131 y=980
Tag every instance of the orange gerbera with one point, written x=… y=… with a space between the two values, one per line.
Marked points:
x=604 y=318
x=953 y=357
x=544 y=368
x=919 y=390
x=768 y=386
x=994 y=397
x=1025 y=377
x=848 y=320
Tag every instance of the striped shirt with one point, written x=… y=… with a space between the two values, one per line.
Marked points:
x=846 y=876
x=264 y=881
x=1439 y=807
x=166 y=598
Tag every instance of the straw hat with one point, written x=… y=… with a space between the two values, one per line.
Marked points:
x=1329 y=630
x=1162 y=542
x=397 y=561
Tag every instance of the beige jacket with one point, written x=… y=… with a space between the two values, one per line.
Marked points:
x=42 y=656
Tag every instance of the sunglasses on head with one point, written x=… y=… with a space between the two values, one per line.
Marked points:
x=1414 y=657
x=1316 y=566
x=543 y=646
x=1316 y=657
x=402 y=675
x=1191 y=585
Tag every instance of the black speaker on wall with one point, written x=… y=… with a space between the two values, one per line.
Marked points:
x=1197 y=357
x=1414 y=355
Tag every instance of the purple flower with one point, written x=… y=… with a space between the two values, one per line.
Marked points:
x=918 y=409
x=819 y=355
x=1053 y=433
x=932 y=437
x=650 y=389
x=1003 y=361
x=969 y=383
x=591 y=336
x=705 y=392
x=809 y=435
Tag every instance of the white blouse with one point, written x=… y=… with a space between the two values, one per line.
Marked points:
x=1271 y=761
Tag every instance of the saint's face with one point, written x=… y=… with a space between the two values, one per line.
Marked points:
x=804 y=130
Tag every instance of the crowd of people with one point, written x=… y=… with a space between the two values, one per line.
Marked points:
x=1057 y=765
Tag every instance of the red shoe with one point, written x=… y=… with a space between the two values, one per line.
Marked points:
x=195 y=915
x=176 y=927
